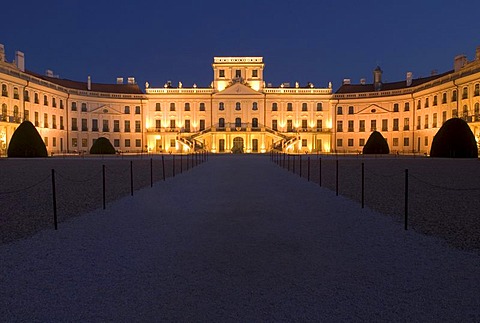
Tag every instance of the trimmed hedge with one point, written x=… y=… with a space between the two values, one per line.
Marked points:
x=102 y=146
x=376 y=144
x=26 y=142
x=454 y=140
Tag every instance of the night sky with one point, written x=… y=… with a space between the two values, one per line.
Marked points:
x=304 y=41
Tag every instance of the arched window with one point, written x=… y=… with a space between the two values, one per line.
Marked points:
x=274 y=106
x=476 y=92
x=339 y=110
x=238 y=122
x=4 y=112
x=15 y=93
x=202 y=106
x=4 y=90
x=289 y=106
x=454 y=95
x=465 y=111
x=221 y=106
x=172 y=106
x=465 y=93
x=444 y=98
x=221 y=123
x=255 y=123
x=187 y=106
x=304 y=107
x=15 y=114
x=238 y=107
x=477 y=109
x=319 y=106
x=254 y=106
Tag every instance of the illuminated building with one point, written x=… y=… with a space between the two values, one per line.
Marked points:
x=238 y=112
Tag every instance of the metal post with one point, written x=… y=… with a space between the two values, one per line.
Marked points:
x=151 y=172
x=103 y=186
x=163 y=167
x=308 y=169
x=131 y=177
x=406 y=199
x=336 y=178
x=363 y=185
x=54 y=197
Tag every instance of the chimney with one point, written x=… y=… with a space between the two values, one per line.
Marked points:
x=119 y=80
x=89 y=83
x=131 y=80
x=346 y=82
x=2 y=53
x=409 y=78
x=20 y=60
x=477 y=53
x=459 y=62
x=377 y=78
x=363 y=81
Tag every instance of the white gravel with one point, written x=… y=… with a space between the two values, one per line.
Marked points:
x=236 y=239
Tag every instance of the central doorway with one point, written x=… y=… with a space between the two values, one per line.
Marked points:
x=237 y=145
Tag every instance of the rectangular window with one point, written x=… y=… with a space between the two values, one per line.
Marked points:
x=339 y=142
x=350 y=126
x=454 y=95
x=105 y=126
x=406 y=124
x=172 y=124
x=54 y=121
x=444 y=117
x=202 y=106
x=84 y=125
x=304 y=124
x=274 y=125
x=373 y=125
x=202 y=124
x=45 y=120
x=319 y=125
x=426 y=121
x=116 y=125
x=406 y=142
x=126 y=110
x=304 y=142
x=339 y=110
x=361 y=142
x=384 y=124
x=395 y=142
x=350 y=110
x=54 y=102
x=36 y=120
x=419 y=121
x=319 y=106
x=74 y=106
x=304 y=107
x=74 y=142
x=116 y=143
x=127 y=126
x=54 y=141
x=350 y=142
x=187 y=126
x=361 y=126
x=45 y=100
x=435 y=100
x=444 y=98
x=158 y=107
x=395 y=107
x=158 y=124
x=407 y=106
x=221 y=73
x=61 y=104
x=137 y=109
x=187 y=106
x=84 y=107
x=172 y=106
x=289 y=125
x=274 y=106
x=26 y=96
x=434 y=121
x=138 y=127
x=138 y=143
x=61 y=122
x=84 y=142
x=127 y=142
x=94 y=124
x=395 y=124
x=339 y=126
x=426 y=141
x=238 y=73
x=426 y=103
x=36 y=100
x=289 y=106
x=255 y=73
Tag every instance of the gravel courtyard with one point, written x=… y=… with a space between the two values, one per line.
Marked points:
x=236 y=239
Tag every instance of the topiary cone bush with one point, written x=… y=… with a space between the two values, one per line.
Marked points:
x=102 y=146
x=454 y=140
x=26 y=142
x=376 y=144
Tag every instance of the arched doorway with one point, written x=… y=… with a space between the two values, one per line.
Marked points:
x=237 y=147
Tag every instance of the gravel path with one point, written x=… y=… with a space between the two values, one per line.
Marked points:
x=236 y=239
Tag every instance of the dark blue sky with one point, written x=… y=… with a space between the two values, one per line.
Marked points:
x=316 y=41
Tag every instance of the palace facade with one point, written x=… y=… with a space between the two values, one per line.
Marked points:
x=239 y=112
